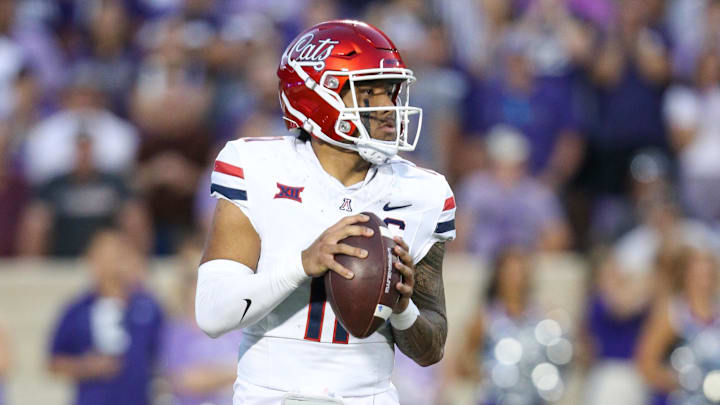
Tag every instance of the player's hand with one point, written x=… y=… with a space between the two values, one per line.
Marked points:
x=406 y=267
x=320 y=256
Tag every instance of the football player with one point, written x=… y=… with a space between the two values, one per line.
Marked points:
x=286 y=202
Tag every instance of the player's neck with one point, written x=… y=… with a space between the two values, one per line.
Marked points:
x=345 y=165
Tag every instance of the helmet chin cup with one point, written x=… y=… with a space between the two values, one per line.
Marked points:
x=375 y=153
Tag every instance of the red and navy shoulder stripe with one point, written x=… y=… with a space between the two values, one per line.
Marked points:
x=446 y=222
x=229 y=181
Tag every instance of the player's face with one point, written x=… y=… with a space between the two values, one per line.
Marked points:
x=378 y=93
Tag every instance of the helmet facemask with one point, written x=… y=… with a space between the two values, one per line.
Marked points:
x=352 y=122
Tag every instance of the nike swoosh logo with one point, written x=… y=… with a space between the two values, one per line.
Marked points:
x=387 y=207
x=249 y=302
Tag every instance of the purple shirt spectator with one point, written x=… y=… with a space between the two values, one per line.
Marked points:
x=541 y=114
x=43 y=55
x=613 y=337
x=141 y=322
x=502 y=216
x=630 y=74
x=599 y=12
x=631 y=112
x=185 y=346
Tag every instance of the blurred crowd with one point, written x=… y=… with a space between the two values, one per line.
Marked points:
x=583 y=126
x=118 y=344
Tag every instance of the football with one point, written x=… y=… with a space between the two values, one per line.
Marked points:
x=366 y=301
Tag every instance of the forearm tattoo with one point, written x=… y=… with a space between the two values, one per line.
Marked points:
x=424 y=342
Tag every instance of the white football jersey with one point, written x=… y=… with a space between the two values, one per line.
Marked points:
x=290 y=200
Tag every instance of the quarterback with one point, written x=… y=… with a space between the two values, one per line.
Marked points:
x=286 y=202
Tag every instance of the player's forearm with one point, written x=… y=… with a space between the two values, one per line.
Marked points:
x=424 y=341
x=230 y=295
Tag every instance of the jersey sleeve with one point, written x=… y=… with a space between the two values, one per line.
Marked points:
x=228 y=177
x=440 y=223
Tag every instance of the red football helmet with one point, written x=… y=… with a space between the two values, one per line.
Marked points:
x=325 y=59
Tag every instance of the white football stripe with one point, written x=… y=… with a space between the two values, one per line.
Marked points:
x=227 y=180
x=447 y=215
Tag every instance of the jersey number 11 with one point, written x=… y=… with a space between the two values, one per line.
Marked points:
x=316 y=313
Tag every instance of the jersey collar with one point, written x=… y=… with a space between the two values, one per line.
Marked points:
x=376 y=181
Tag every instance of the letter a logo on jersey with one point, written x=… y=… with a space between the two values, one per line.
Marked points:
x=291 y=193
x=346 y=205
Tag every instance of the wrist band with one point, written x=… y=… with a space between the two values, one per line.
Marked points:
x=405 y=319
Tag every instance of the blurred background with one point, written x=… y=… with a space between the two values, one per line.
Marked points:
x=581 y=138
